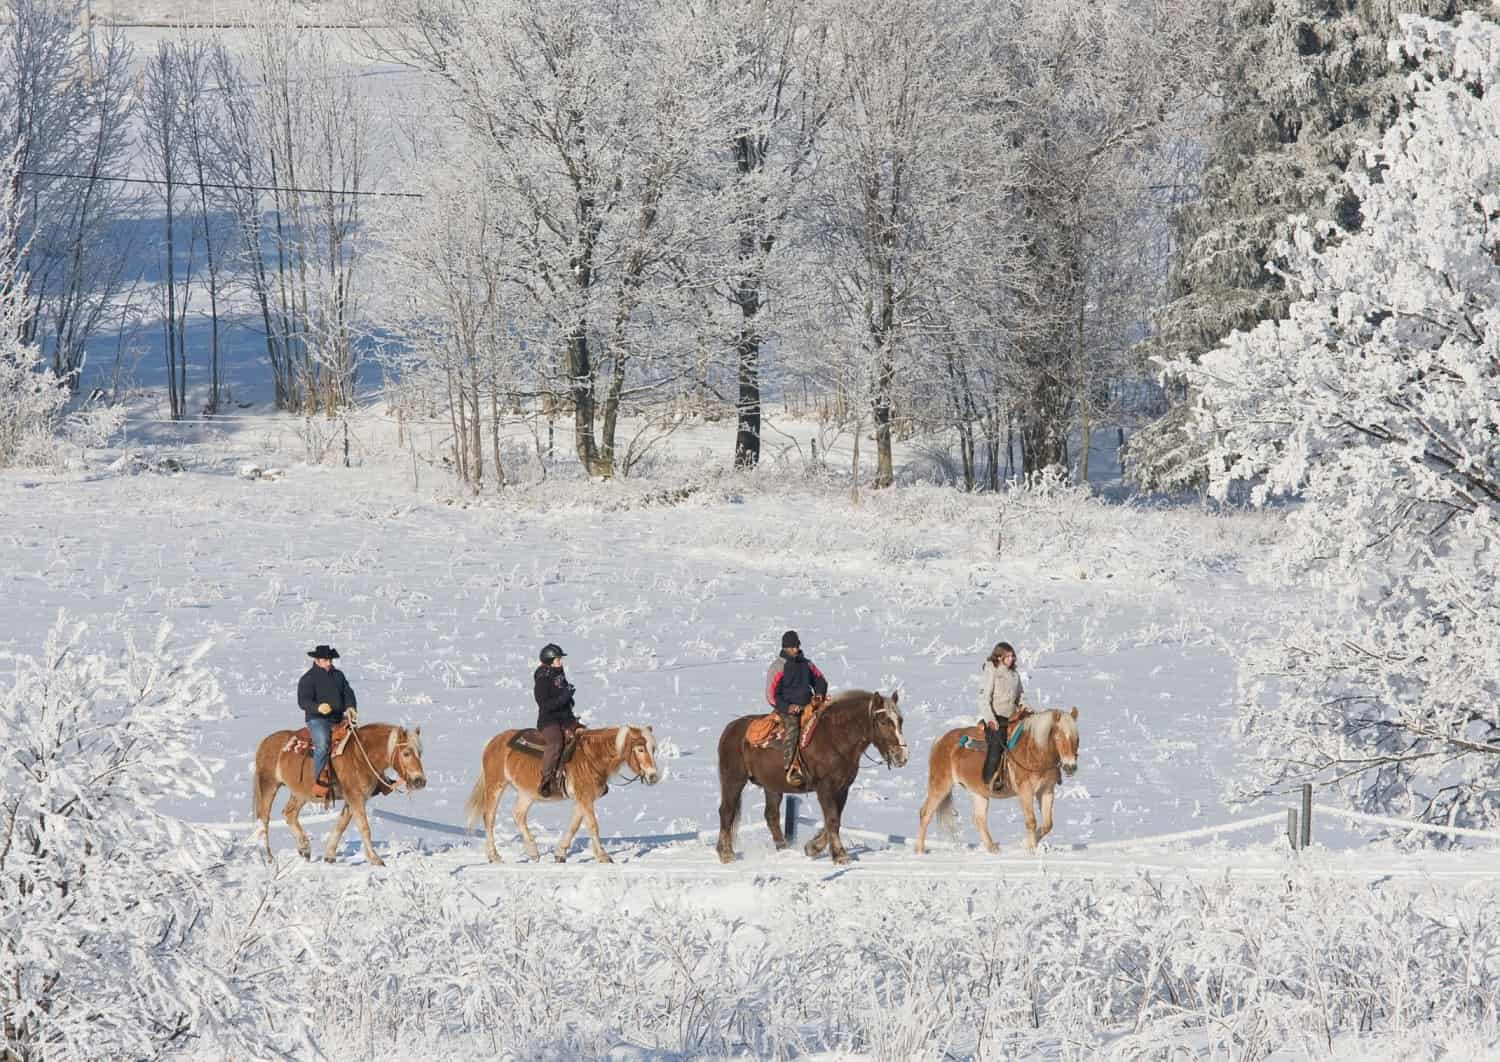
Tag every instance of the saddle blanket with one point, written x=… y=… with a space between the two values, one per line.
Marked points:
x=767 y=730
x=532 y=743
x=301 y=741
x=966 y=741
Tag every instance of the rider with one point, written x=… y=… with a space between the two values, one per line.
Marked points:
x=325 y=697
x=791 y=683
x=554 y=717
x=1000 y=707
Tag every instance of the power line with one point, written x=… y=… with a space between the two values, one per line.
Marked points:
x=212 y=184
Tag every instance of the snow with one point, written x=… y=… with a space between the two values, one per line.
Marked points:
x=670 y=612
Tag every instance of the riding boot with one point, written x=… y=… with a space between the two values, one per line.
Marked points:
x=792 y=721
x=993 y=748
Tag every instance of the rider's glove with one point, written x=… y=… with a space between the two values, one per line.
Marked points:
x=352 y=715
x=325 y=708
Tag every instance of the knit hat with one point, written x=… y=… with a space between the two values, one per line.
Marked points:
x=789 y=640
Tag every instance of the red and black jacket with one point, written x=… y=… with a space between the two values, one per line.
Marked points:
x=792 y=681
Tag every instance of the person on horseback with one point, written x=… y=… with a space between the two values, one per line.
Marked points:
x=554 y=717
x=326 y=698
x=1000 y=708
x=791 y=683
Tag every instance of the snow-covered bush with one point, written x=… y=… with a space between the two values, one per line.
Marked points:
x=31 y=396
x=1377 y=402
x=115 y=939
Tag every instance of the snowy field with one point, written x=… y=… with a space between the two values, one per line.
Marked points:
x=670 y=607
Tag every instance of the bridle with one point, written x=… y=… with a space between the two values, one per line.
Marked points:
x=890 y=713
x=386 y=785
x=634 y=778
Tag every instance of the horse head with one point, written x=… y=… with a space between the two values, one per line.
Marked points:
x=405 y=755
x=885 y=722
x=1065 y=740
x=636 y=749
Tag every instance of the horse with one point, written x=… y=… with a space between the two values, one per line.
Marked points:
x=850 y=723
x=373 y=748
x=598 y=755
x=1046 y=750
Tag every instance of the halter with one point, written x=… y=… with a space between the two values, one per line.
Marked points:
x=885 y=710
x=386 y=786
x=638 y=776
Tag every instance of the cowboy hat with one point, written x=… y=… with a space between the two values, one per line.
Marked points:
x=324 y=652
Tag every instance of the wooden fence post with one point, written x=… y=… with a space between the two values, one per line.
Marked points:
x=1306 y=841
x=790 y=829
x=1292 y=835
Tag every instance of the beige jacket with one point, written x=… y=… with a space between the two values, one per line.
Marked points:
x=999 y=694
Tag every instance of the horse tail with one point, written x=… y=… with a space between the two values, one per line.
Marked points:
x=948 y=815
x=474 y=806
x=257 y=789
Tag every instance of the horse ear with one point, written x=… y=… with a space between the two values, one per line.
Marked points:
x=419 y=729
x=895 y=696
x=1074 y=712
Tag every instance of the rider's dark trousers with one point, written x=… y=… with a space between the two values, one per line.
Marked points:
x=993 y=750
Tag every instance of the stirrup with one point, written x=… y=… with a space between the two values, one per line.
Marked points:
x=794 y=775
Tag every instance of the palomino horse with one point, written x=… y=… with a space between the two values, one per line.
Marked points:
x=373 y=749
x=850 y=723
x=598 y=755
x=1046 y=750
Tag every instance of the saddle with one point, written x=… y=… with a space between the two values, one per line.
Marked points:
x=968 y=741
x=532 y=743
x=768 y=729
x=301 y=741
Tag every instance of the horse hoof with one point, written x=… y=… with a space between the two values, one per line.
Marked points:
x=377 y=862
x=560 y=857
x=726 y=856
x=493 y=857
x=781 y=846
x=603 y=857
x=842 y=859
x=327 y=859
x=811 y=850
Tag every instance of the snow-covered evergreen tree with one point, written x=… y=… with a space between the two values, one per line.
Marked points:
x=1377 y=401
x=1304 y=81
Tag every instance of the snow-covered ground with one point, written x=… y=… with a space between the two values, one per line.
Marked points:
x=670 y=607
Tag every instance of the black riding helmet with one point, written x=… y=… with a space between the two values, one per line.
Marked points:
x=551 y=651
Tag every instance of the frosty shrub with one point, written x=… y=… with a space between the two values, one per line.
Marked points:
x=110 y=946
x=31 y=396
x=1377 y=402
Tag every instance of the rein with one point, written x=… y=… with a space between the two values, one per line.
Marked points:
x=385 y=785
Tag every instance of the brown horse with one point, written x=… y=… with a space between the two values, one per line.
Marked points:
x=1046 y=750
x=852 y=722
x=598 y=755
x=360 y=769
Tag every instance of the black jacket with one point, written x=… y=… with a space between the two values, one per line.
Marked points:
x=792 y=681
x=554 y=696
x=324 y=687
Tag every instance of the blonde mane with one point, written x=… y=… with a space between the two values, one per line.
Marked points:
x=1039 y=726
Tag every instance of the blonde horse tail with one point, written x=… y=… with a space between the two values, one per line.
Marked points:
x=474 y=806
x=948 y=816
x=257 y=790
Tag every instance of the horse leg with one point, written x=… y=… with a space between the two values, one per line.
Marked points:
x=492 y=805
x=568 y=834
x=523 y=805
x=340 y=824
x=982 y=821
x=836 y=842
x=773 y=819
x=1045 y=799
x=731 y=790
x=362 y=821
x=290 y=812
x=592 y=822
x=1026 y=794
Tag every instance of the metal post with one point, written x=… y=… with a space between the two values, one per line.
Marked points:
x=1306 y=816
x=1291 y=827
x=790 y=829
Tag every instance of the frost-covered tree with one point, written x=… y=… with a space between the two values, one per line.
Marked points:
x=110 y=941
x=1302 y=84
x=66 y=102
x=1377 y=402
